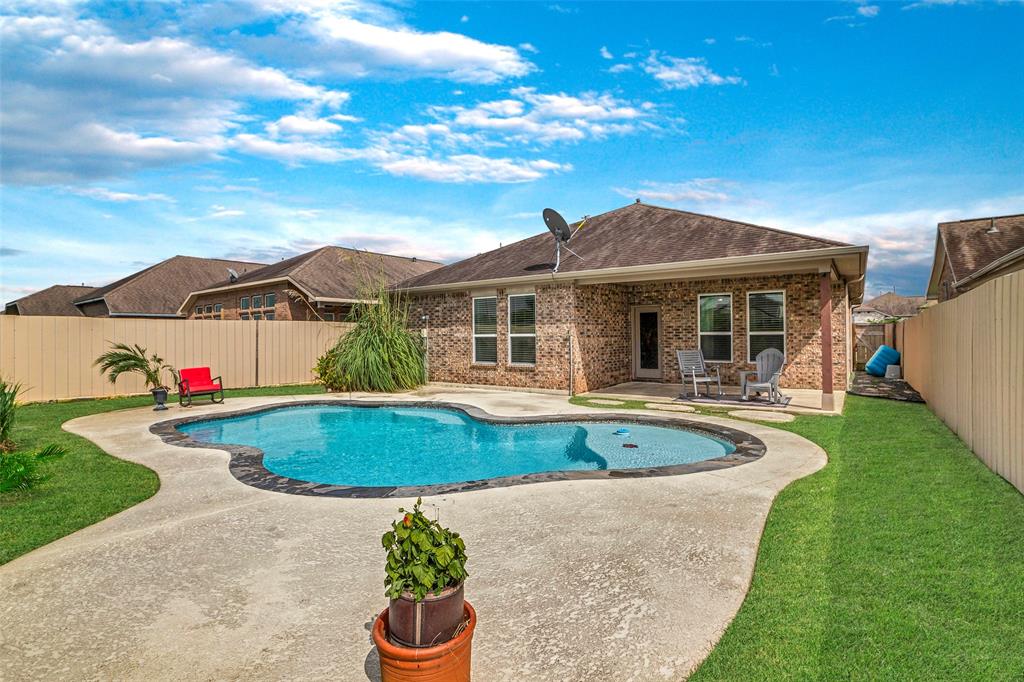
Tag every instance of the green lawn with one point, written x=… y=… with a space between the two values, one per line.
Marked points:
x=902 y=559
x=87 y=485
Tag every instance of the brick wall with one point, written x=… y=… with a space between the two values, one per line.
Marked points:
x=284 y=307
x=598 y=317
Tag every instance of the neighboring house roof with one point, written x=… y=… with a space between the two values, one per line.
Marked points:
x=158 y=290
x=635 y=236
x=893 y=305
x=56 y=300
x=328 y=274
x=976 y=247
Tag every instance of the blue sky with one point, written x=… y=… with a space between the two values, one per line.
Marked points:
x=257 y=130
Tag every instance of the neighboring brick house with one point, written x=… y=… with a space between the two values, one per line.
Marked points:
x=157 y=291
x=56 y=300
x=971 y=252
x=323 y=283
x=888 y=306
x=650 y=281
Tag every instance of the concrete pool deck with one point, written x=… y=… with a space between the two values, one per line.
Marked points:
x=626 y=579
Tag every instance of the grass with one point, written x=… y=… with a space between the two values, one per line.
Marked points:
x=902 y=559
x=87 y=485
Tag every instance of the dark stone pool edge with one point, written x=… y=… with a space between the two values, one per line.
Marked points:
x=247 y=462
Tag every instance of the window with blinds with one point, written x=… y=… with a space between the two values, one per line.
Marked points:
x=522 y=329
x=766 y=322
x=485 y=329
x=715 y=326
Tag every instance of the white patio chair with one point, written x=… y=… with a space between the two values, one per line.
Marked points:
x=693 y=369
x=770 y=363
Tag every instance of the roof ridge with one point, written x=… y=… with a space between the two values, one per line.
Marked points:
x=988 y=217
x=833 y=242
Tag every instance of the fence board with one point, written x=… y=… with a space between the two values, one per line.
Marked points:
x=966 y=357
x=52 y=356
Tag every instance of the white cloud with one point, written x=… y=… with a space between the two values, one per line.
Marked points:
x=936 y=3
x=676 y=73
x=328 y=38
x=461 y=168
x=528 y=47
x=710 y=41
x=751 y=41
x=303 y=125
x=868 y=10
x=699 y=190
x=292 y=152
x=103 y=194
x=464 y=19
x=620 y=68
x=606 y=54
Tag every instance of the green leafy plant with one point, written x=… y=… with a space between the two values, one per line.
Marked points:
x=20 y=470
x=8 y=408
x=122 y=358
x=423 y=556
x=379 y=354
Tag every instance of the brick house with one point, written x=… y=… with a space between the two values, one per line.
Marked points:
x=649 y=281
x=323 y=283
x=971 y=252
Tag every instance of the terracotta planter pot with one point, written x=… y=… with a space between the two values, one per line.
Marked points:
x=428 y=622
x=448 y=662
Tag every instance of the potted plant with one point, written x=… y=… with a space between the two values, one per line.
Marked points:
x=123 y=358
x=427 y=630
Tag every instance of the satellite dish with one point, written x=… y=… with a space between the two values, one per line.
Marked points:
x=232 y=275
x=560 y=229
x=556 y=223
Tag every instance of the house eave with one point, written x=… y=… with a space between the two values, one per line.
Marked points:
x=810 y=260
x=182 y=310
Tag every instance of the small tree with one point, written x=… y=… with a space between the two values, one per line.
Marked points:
x=122 y=358
x=380 y=353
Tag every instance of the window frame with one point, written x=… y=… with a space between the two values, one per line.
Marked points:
x=199 y=310
x=218 y=308
x=269 y=317
x=243 y=303
x=244 y=316
x=785 y=324
x=267 y=303
x=328 y=317
x=732 y=329
x=508 y=309
x=257 y=316
x=474 y=335
x=253 y=303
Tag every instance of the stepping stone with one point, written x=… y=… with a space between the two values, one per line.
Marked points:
x=669 y=407
x=762 y=415
x=603 y=401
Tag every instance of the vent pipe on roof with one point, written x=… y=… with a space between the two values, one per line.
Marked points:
x=992 y=229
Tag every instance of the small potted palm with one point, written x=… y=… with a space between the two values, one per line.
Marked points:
x=123 y=358
x=427 y=630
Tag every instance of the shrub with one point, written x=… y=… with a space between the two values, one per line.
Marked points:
x=379 y=353
x=8 y=407
x=422 y=556
x=20 y=470
x=123 y=358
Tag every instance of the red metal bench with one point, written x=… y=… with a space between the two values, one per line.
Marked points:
x=196 y=381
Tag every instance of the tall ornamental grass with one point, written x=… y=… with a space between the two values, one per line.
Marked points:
x=8 y=407
x=379 y=354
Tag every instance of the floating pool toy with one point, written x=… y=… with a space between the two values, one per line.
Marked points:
x=622 y=432
x=630 y=445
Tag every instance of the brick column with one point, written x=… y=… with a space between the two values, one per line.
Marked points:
x=827 y=397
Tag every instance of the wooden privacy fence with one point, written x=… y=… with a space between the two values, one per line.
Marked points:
x=867 y=339
x=966 y=357
x=52 y=356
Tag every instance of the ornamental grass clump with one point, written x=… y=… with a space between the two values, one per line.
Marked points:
x=423 y=556
x=379 y=354
x=8 y=408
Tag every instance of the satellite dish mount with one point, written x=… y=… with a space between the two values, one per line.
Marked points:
x=562 y=233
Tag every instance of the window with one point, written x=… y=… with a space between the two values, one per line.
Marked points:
x=485 y=329
x=245 y=316
x=715 y=326
x=257 y=316
x=243 y=303
x=329 y=317
x=209 y=310
x=257 y=301
x=199 y=310
x=268 y=316
x=218 y=308
x=766 y=322
x=269 y=300
x=522 y=329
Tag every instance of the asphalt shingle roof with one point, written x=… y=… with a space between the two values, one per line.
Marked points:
x=56 y=300
x=636 y=234
x=969 y=246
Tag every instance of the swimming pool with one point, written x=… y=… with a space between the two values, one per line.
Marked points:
x=398 y=446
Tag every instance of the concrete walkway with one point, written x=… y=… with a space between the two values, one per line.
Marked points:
x=631 y=579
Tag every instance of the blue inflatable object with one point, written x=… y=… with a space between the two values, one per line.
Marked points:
x=883 y=356
x=622 y=432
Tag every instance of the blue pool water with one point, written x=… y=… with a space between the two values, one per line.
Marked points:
x=405 y=446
